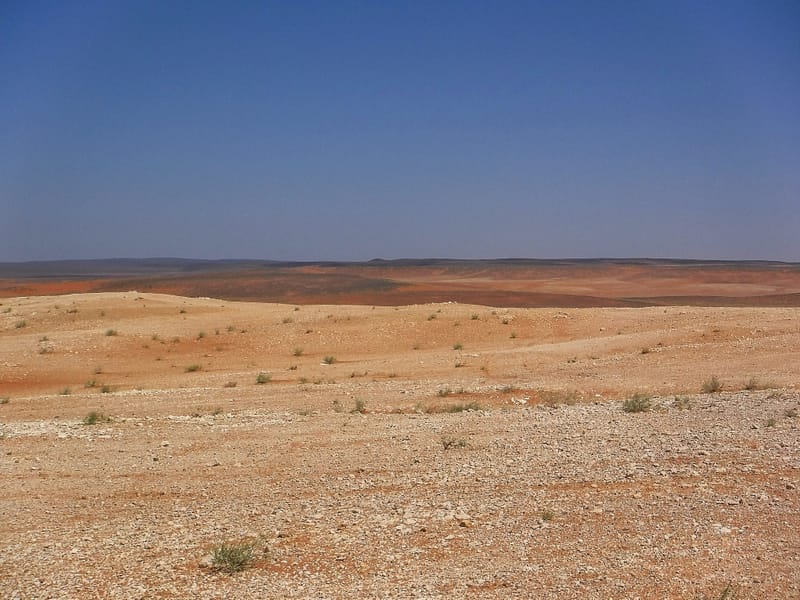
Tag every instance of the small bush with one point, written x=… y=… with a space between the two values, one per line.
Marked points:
x=449 y=442
x=474 y=316
x=513 y=335
x=192 y=368
x=431 y=316
x=288 y=320
x=790 y=412
x=111 y=332
x=682 y=402
x=201 y=335
x=637 y=403
x=94 y=417
x=263 y=377
x=554 y=398
x=329 y=360
x=106 y=389
x=458 y=346
x=232 y=557
x=230 y=384
x=771 y=422
x=66 y=391
x=5 y=400
x=297 y=352
x=337 y=406
x=360 y=406
x=463 y=407
x=712 y=385
x=547 y=515
x=20 y=324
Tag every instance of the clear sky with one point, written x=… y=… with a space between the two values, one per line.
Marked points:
x=340 y=130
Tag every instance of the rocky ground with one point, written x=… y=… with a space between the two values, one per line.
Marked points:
x=446 y=451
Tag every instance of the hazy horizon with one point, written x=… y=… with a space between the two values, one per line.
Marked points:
x=349 y=131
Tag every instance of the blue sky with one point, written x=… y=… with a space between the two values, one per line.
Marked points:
x=355 y=130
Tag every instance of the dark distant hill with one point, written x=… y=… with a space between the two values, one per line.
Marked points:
x=497 y=282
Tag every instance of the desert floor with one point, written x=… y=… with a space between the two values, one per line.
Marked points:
x=436 y=450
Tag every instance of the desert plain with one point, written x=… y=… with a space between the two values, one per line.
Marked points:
x=459 y=433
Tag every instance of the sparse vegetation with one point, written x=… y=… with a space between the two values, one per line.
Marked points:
x=637 y=403
x=288 y=320
x=547 y=515
x=263 y=377
x=645 y=350
x=513 y=335
x=337 y=406
x=5 y=400
x=90 y=384
x=65 y=392
x=790 y=412
x=728 y=593
x=463 y=407
x=555 y=397
x=111 y=332
x=106 y=389
x=230 y=384
x=449 y=442
x=192 y=368
x=458 y=346
x=232 y=557
x=459 y=364
x=712 y=385
x=754 y=384
x=431 y=316
x=360 y=406
x=297 y=352
x=771 y=422
x=20 y=324
x=201 y=335
x=474 y=316
x=682 y=402
x=94 y=417
x=329 y=360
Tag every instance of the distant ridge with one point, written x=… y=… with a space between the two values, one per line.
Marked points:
x=122 y=267
x=503 y=282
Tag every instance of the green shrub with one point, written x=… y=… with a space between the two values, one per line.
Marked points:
x=94 y=417
x=111 y=332
x=192 y=368
x=263 y=377
x=329 y=360
x=232 y=557
x=637 y=403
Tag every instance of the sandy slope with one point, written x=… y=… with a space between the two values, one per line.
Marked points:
x=547 y=498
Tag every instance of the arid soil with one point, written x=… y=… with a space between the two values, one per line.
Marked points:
x=437 y=450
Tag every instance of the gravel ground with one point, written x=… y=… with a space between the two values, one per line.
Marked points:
x=520 y=501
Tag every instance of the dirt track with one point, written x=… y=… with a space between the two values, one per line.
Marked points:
x=548 y=490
